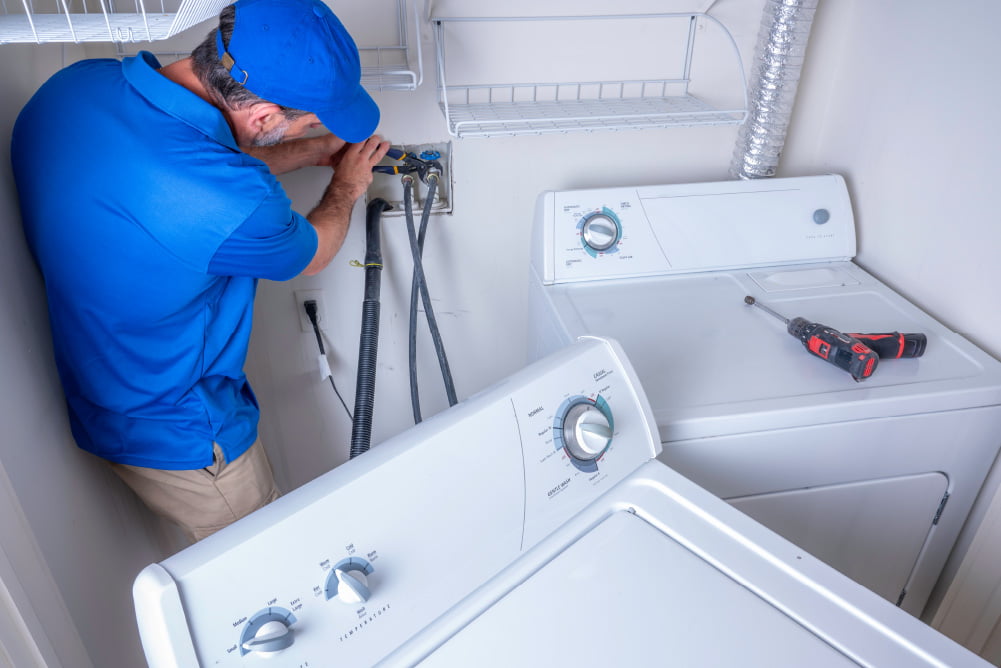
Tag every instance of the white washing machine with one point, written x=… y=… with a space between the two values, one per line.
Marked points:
x=874 y=477
x=528 y=526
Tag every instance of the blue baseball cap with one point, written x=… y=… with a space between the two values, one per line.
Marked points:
x=296 y=53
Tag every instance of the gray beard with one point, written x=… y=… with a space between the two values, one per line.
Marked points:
x=272 y=136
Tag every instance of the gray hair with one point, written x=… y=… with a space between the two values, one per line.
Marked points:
x=221 y=86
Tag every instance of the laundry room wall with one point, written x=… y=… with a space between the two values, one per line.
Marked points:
x=899 y=97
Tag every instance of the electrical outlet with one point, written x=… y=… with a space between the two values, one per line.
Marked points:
x=390 y=188
x=303 y=296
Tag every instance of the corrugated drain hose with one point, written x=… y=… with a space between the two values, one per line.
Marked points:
x=368 y=347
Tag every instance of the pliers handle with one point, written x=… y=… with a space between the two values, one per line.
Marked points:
x=411 y=164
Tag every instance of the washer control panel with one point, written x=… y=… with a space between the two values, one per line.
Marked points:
x=347 y=568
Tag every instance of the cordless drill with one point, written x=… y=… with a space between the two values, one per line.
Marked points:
x=858 y=354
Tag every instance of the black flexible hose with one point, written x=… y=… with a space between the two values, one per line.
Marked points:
x=415 y=399
x=368 y=347
x=419 y=285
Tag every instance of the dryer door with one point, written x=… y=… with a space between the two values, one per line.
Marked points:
x=872 y=531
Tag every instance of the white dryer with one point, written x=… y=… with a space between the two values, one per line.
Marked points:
x=875 y=477
x=528 y=526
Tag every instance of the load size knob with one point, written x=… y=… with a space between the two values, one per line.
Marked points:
x=586 y=431
x=267 y=632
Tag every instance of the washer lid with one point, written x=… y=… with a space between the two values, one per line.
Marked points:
x=626 y=594
x=712 y=365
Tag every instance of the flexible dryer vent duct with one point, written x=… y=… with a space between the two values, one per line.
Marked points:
x=782 y=38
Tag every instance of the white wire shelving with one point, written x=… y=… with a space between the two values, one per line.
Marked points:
x=396 y=64
x=477 y=109
x=41 y=21
x=391 y=59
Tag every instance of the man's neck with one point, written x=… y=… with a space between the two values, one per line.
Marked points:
x=183 y=74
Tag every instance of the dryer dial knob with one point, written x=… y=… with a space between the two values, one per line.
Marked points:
x=600 y=231
x=586 y=431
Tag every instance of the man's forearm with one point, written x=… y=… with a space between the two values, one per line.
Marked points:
x=293 y=154
x=331 y=218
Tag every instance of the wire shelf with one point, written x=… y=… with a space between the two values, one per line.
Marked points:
x=394 y=65
x=484 y=110
x=41 y=21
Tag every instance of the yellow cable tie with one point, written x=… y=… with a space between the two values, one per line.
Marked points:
x=356 y=263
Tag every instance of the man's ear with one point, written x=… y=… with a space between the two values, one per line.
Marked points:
x=263 y=115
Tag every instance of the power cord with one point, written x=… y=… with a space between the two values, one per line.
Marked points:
x=311 y=313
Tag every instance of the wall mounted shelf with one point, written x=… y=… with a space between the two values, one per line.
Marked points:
x=476 y=109
x=41 y=21
x=387 y=31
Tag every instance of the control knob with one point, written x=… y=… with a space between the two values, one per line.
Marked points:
x=600 y=231
x=586 y=431
x=268 y=632
x=348 y=581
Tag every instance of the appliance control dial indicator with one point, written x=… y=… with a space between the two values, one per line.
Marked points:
x=268 y=632
x=348 y=581
x=583 y=429
x=600 y=231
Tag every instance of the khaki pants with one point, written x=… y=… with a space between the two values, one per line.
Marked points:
x=202 y=501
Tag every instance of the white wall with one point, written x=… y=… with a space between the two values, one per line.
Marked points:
x=898 y=96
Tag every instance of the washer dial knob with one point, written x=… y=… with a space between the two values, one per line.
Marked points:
x=600 y=230
x=268 y=632
x=348 y=581
x=586 y=431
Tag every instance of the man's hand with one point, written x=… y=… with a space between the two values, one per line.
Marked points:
x=331 y=147
x=352 y=176
x=353 y=165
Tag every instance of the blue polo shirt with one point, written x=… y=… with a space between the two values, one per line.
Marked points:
x=150 y=228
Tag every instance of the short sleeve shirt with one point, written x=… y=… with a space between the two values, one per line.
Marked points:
x=150 y=228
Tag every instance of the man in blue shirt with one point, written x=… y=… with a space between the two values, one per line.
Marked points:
x=150 y=203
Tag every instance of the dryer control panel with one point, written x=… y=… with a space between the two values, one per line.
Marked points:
x=345 y=569
x=609 y=233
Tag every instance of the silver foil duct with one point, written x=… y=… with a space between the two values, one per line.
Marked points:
x=779 y=54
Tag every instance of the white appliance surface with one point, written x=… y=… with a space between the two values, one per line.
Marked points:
x=474 y=539
x=876 y=477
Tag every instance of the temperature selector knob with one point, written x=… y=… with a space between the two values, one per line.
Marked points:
x=586 y=431
x=600 y=230
x=348 y=581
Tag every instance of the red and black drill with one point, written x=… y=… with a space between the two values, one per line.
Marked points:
x=858 y=354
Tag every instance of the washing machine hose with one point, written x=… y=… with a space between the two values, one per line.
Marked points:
x=419 y=287
x=368 y=347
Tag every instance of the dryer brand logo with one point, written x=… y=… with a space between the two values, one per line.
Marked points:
x=598 y=375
